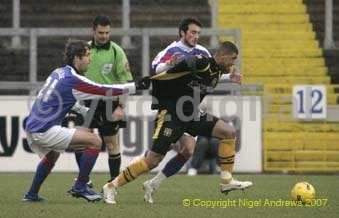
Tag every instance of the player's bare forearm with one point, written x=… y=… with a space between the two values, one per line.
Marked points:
x=235 y=75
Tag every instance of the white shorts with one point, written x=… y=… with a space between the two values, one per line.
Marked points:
x=56 y=138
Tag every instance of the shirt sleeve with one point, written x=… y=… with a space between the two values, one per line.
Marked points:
x=123 y=70
x=162 y=67
x=84 y=88
x=225 y=78
x=160 y=62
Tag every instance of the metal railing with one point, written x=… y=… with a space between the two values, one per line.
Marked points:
x=328 y=39
x=145 y=33
x=126 y=5
x=125 y=22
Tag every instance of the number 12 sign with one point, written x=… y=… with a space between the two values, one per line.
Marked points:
x=309 y=102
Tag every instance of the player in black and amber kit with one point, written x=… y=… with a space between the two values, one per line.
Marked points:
x=178 y=93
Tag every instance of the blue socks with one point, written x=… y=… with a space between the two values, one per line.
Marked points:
x=174 y=165
x=44 y=168
x=78 y=155
x=88 y=160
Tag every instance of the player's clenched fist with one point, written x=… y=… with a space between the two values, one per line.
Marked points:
x=235 y=75
x=143 y=83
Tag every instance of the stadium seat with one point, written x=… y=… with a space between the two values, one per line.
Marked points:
x=262 y=8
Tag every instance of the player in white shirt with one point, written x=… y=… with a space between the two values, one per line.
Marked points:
x=176 y=76
x=187 y=46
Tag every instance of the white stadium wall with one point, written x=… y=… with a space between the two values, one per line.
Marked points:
x=245 y=110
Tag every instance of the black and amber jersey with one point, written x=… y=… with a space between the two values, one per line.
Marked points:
x=183 y=82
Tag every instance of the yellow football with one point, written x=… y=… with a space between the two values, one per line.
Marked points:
x=303 y=191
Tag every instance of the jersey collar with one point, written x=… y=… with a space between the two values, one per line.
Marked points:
x=185 y=47
x=74 y=70
x=105 y=46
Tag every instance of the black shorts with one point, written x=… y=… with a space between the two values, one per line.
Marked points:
x=99 y=121
x=169 y=128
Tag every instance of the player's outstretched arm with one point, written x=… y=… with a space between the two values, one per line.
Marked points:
x=191 y=64
x=143 y=83
x=195 y=64
x=84 y=88
x=234 y=76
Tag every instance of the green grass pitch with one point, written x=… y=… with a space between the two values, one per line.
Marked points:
x=264 y=199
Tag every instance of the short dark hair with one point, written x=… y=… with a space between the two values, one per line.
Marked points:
x=74 y=48
x=185 y=22
x=101 y=20
x=228 y=47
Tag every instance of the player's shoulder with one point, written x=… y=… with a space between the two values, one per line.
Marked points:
x=61 y=71
x=170 y=49
x=115 y=46
x=73 y=78
x=203 y=49
x=173 y=46
x=67 y=69
x=68 y=72
x=65 y=75
x=200 y=47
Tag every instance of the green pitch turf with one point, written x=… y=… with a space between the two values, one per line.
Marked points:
x=179 y=196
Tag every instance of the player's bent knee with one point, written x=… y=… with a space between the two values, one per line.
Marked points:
x=152 y=163
x=187 y=152
x=153 y=159
x=230 y=133
x=98 y=141
x=190 y=152
x=95 y=141
x=113 y=149
x=224 y=130
x=112 y=144
x=188 y=147
x=226 y=134
x=53 y=156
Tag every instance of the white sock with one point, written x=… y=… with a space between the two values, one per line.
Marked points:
x=225 y=176
x=157 y=179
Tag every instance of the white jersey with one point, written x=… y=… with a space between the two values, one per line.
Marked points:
x=176 y=48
